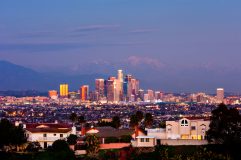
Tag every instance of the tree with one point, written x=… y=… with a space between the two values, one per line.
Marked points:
x=92 y=144
x=133 y=121
x=225 y=126
x=10 y=134
x=59 y=151
x=139 y=116
x=116 y=122
x=148 y=120
x=72 y=139
x=162 y=124
x=33 y=147
x=81 y=119
x=60 y=145
x=73 y=117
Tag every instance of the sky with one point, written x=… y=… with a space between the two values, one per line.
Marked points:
x=183 y=45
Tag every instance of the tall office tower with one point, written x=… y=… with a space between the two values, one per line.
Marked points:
x=157 y=95
x=128 y=87
x=116 y=90
x=220 y=95
x=134 y=86
x=100 y=88
x=150 y=94
x=125 y=89
x=53 y=94
x=110 y=90
x=141 y=94
x=120 y=75
x=120 y=84
x=84 y=92
x=64 y=90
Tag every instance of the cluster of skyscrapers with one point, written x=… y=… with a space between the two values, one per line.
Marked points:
x=120 y=88
x=127 y=88
x=114 y=89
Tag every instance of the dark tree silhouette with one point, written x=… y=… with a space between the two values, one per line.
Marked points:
x=73 y=117
x=59 y=151
x=81 y=119
x=134 y=121
x=10 y=134
x=116 y=122
x=148 y=120
x=139 y=116
x=225 y=126
x=72 y=139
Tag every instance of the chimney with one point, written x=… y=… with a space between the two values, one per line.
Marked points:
x=136 y=131
x=83 y=131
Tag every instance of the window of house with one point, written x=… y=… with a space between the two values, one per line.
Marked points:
x=45 y=135
x=142 y=140
x=184 y=122
x=193 y=128
x=147 y=140
x=54 y=134
x=61 y=135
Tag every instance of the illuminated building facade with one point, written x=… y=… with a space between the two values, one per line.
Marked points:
x=220 y=95
x=84 y=92
x=53 y=94
x=64 y=90
x=100 y=89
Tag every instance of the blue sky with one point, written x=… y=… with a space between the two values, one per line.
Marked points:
x=169 y=37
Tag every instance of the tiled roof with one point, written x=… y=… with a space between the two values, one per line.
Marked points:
x=48 y=128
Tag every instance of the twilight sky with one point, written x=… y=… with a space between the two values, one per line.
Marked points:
x=185 y=45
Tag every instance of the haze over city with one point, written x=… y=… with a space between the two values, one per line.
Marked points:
x=177 y=46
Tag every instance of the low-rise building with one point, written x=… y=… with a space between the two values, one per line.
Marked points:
x=47 y=133
x=186 y=131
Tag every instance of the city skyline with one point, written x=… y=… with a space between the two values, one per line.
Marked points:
x=178 y=41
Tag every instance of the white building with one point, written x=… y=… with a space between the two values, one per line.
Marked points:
x=186 y=131
x=47 y=133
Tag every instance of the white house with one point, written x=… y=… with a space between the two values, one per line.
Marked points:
x=186 y=131
x=47 y=133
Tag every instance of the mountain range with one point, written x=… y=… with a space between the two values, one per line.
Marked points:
x=151 y=76
x=16 y=77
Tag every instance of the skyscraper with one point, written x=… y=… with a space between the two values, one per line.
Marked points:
x=119 y=86
x=220 y=95
x=100 y=88
x=84 y=92
x=64 y=90
x=110 y=90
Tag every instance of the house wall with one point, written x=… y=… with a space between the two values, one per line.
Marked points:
x=179 y=142
x=151 y=142
x=49 y=139
x=195 y=129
